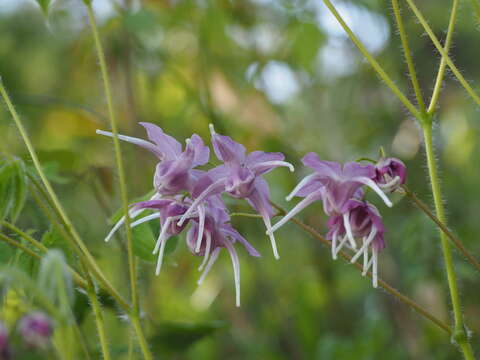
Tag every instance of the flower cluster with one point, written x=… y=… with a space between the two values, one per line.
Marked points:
x=34 y=329
x=341 y=190
x=186 y=196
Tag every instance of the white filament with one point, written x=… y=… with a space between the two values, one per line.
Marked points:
x=268 y=225
x=375 y=267
x=274 y=163
x=334 y=245
x=236 y=270
x=344 y=240
x=162 y=234
x=299 y=207
x=140 y=142
x=160 y=255
x=365 y=245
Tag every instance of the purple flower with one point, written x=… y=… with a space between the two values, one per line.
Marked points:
x=175 y=171
x=390 y=174
x=5 y=353
x=240 y=176
x=334 y=184
x=361 y=221
x=208 y=238
x=36 y=330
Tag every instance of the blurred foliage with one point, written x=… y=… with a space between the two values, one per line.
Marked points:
x=277 y=76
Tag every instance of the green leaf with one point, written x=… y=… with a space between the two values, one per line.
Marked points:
x=306 y=41
x=13 y=187
x=143 y=242
x=178 y=336
x=20 y=188
x=44 y=5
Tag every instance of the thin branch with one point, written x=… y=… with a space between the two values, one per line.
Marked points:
x=455 y=240
x=441 y=70
x=376 y=66
x=403 y=298
x=440 y=49
x=408 y=55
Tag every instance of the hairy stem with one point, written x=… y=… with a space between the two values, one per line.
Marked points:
x=376 y=66
x=443 y=64
x=455 y=240
x=394 y=292
x=408 y=55
x=459 y=334
x=78 y=244
x=134 y=313
x=444 y=54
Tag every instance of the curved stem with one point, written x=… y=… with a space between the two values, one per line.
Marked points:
x=403 y=298
x=118 y=154
x=376 y=66
x=443 y=64
x=455 y=240
x=459 y=334
x=430 y=33
x=408 y=55
x=78 y=244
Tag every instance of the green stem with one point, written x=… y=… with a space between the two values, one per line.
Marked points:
x=443 y=64
x=20 y=246
x=147 y=355
x=403 y=298
x=98 y=319
x=376 y=66
x=455 y=240
x=79 y=245
x=459 y=334
x=118 y=154
x=408 y=55
x=430 y=33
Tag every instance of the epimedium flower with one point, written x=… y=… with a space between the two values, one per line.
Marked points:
x=175 y=171
x=390 y=174
x=240 y=176
x=363 y=222
x=334 y=184
x=214 y=234
x=36 y=330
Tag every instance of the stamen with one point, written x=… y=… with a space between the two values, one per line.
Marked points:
x=210 y=263
x=145 y=219
x=199 y=199
x=162 y=234
x=207 y=251
x=201 y=225
x=346 y=223
x=375 y=267
x=236 y=270
x=140 y=142
x=299 y=207
x=212 y=129
x=370 y=183
x=132 y=213
x=297 y=188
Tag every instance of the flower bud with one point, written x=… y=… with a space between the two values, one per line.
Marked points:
x=390 y=174
x=36 y=329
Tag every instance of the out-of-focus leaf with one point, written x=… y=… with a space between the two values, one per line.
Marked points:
x=44 y=5
x=55 y=279
x=306 y=41
x=13 y=187
x=52 y=239
x=143 y=242
x=175 y=336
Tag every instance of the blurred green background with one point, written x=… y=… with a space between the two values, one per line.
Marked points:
x=277 y=76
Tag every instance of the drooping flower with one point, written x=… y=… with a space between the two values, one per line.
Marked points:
x=5 y=352
x=333 y=183
x=175 y=171
x=209 y=238
x=390 y=174
x=36 y=330
x=240 y=176
x=361 y=221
